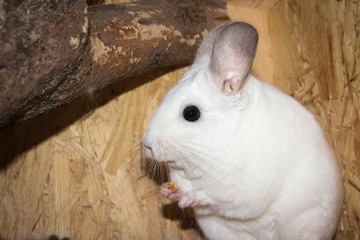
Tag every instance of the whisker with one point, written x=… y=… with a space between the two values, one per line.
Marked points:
x=209 y=163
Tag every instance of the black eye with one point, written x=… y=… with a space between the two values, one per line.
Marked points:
x=191 y=113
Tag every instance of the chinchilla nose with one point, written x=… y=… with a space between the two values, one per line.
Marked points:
x=146 y=141
x=147 y=145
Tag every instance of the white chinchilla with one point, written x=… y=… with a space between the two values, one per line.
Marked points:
x=250 y=160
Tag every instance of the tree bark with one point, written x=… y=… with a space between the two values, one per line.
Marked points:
x=52 y=52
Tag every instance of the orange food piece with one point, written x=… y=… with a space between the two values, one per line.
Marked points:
x=173 y=186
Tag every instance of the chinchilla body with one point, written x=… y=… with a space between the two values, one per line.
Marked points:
x=250 y=160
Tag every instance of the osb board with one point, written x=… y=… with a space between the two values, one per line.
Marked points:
x=66 y=182
x=314 y=56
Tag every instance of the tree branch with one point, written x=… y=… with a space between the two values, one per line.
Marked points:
x=53 y=52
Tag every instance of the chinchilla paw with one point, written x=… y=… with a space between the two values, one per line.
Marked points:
x=169 y=193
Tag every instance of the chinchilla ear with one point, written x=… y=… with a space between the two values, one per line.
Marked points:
x=232 y=56
x=204 y=52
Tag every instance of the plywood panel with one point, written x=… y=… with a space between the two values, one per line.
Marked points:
x=86 y=181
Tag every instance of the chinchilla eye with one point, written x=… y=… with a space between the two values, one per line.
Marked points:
x=191 y=113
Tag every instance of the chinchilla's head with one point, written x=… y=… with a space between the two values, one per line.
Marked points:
x=199 y=120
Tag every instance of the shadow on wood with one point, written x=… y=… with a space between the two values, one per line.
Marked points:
x=21 y=138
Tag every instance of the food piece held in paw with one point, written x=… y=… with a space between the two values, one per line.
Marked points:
x=170 y=190
x=173 y=186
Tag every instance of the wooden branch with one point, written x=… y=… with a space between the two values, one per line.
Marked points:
x=53 y=52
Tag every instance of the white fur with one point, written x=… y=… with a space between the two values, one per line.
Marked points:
x=256 y=163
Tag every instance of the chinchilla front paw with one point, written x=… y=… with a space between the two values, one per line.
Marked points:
x=167 y=191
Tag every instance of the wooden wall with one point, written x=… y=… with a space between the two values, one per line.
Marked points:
x=78 y=171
